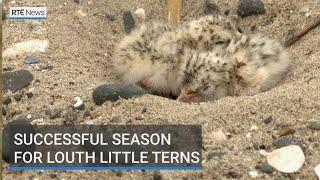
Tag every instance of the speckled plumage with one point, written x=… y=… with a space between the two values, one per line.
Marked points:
x=156 y=51
x=251 y=64
x=202 y=60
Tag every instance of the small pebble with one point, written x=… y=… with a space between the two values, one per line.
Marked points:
x=6 y=100
x=7 y=68
x=288 y=159
x=86 y=113
x=70 y=116
x=116 y=118
x=140 y=13
x=286 y=131
x=315 y=125
x=4 y=111
x=111 y=17
x=113 y=92
x=253 y=174
x=157 y=175
x=233 y=174
x=45 y=67
x=56 y=113
x=16 y=80
x=11 y=128
x=144 y=110
x=266 y=168
x=31 y=60
x=254 y=128
x=29 y=94
x=17 y=97
x=128 y=22
x=139 y=117
x=210 y=7
x=80 y=13
x=287 y=140
x=78 y=103
x=211 y=155
x=250 y=7
x=268 y=120
x=77 y=1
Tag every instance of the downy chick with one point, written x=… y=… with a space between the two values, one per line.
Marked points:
x=251 y=64
x=152 y=54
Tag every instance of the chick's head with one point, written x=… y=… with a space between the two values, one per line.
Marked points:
x=203 y=77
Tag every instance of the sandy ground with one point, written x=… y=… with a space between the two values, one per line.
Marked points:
x=81 y=49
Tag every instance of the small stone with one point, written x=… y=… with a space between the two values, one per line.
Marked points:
x=29 y=94
x=16 y=80
x=116 y=118
x=315 y=125
x=253 y=174
x=7 y=68
x=144 y=110
x=211 y=155
x=128 y=22
x=80 y=13
x=4 y=14
x=254 y=128
x=77 y=1
x=218 y=136
x=17 y=97
x=157 y=175
x=79 y=104
x=6 y=100
x=111 y=17
x=113 y=92
x=31 y=60
x=317 y=170
x=45 y=67
x=287 y=140
x=266 y=168
x=53 y=176
x=140 y=13
x=90 y=122
x=119 y=174
x=4 y=111
x=233 y=174
x=70 y=116
x=250 y=7
x=56 y=113
x=11 y=128
x=288 y=159
x=87 y=113
x=139 y=117
x=210 y=7
x=268 y=120
x=31 y=46
x=286 y=131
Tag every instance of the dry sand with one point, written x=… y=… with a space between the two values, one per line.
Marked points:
x=80 y=51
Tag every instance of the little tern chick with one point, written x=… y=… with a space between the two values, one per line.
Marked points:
x=251 y=64
x=152 y=55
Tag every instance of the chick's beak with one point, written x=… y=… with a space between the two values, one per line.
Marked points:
x=188 y=98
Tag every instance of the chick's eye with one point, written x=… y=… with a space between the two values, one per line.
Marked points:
x=219 y=42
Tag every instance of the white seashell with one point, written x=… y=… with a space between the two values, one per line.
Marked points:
x=31 y=46
x=78 y=103
x=218 y=136
x=317 y=170
x=287 y=159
